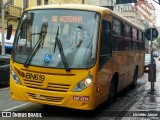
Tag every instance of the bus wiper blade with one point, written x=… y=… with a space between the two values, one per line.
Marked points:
x=59 y=44
x=38 y=44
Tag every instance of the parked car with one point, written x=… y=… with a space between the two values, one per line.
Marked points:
x=4 y=69
x=147 y=62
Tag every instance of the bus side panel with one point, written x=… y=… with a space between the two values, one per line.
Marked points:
x=103 y=82
x=125 y=64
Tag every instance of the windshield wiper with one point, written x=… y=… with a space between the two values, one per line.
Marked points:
x=38 y=44
x=58 y=42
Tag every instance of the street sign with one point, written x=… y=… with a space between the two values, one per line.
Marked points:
x=151 y=32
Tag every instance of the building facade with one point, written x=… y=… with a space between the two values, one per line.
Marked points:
x=142 y=13
x=11 y=13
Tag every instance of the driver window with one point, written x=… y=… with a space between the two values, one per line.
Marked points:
x=77 y=37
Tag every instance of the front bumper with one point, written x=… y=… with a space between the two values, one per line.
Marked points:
x=85 y=99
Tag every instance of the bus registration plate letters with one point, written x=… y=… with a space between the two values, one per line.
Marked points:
x=37 y=77
x=81 y=98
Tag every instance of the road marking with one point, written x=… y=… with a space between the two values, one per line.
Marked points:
x=4 y=88
x=16 y=107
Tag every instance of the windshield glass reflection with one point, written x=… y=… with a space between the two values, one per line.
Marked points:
x=78 y=31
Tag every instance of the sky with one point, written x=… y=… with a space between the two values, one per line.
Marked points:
x=157 y=10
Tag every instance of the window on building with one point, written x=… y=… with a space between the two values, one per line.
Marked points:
x=118 y=8
x=0 y=5
x=127 y=8
x=12 y=2
x=121 y=10
x=39 y=2
x=111 y=2
x=25 y=4
x=124 y=8
x=45 y=2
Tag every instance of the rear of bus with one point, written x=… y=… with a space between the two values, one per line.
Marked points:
x=50 y=64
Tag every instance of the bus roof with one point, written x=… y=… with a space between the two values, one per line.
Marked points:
x=99 y=9
x=70 y=6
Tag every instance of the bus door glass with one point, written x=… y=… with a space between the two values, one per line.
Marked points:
x=105 y=45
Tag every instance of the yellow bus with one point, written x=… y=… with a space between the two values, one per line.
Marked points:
x=74 y=56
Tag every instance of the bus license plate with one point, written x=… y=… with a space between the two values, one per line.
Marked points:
x=81 y=98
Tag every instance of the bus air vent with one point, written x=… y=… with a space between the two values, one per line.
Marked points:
x=45 y=98
x=58 y=87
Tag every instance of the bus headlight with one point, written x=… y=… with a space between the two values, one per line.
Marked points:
x=83 y=84
x=15 y=76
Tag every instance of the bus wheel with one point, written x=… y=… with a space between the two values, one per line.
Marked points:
x=112 y=92
x=134 y=83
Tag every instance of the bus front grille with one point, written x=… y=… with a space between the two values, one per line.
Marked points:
x=50 y=86
x=45 y=98
x=58 y=87
x=35 y=84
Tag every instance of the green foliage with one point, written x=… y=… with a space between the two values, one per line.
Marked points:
x=158 y=41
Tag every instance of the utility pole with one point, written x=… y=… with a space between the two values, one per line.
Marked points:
x=151 y=68
x=152 y=34
x=3 y=6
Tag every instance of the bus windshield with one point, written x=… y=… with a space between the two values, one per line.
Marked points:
x=75 y=30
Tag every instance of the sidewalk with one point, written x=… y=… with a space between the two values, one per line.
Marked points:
x=148 y=106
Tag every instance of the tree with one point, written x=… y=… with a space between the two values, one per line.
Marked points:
x=158 y=41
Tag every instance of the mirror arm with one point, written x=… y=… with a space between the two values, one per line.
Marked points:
x=15 y=18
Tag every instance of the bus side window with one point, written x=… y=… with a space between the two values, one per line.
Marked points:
x=105 y=45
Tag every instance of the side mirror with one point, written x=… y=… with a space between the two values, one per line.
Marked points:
x=9 y=32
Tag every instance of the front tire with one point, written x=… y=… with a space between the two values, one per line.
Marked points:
x=112 y=92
